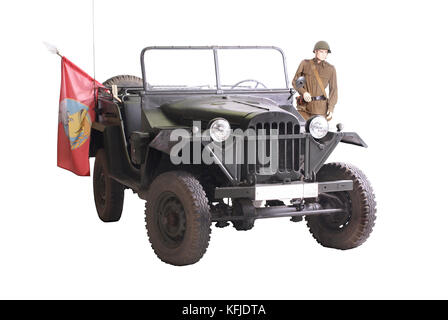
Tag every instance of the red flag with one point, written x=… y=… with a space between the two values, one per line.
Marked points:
x=76 y=114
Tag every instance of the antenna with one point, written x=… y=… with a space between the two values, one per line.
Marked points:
x=93 y=38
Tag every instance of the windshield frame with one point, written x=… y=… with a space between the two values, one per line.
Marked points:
x=215 y=49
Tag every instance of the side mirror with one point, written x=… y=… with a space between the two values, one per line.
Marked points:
x=300 y=82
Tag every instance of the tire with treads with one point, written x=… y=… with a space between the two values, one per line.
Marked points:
x=243 y=225
x=108 y=193
x=352 y=228
x=243 y=208
x=178 y=218
x=123 y=81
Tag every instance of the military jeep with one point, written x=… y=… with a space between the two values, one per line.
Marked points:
x=211 y=135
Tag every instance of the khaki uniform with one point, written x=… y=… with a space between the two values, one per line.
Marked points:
x=327 y=74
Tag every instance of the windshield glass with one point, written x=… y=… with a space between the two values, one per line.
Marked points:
x=180 y=69
x=248 y=69
x=194 y=69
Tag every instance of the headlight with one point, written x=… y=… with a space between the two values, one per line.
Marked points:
x=317 y=126
x=220 y=130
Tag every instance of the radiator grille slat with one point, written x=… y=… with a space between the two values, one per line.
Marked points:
x=291 y=148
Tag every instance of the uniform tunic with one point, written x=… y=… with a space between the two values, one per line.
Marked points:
x=327 y=74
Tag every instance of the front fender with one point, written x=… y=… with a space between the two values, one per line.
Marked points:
x=353 y=138
x=320 y=150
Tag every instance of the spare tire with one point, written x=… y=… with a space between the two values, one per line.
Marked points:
x=124 y=81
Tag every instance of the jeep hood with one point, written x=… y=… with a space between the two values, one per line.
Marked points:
x=238 y=110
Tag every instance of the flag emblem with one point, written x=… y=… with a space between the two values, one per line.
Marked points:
x=76 y=120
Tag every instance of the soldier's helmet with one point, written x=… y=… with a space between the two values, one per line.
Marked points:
x=322 y=45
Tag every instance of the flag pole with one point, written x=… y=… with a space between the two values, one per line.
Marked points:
x=95 y=87
x=52 y=49
x=93 y=38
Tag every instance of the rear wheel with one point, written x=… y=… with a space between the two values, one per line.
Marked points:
x=178 y=218
x=243 y=208
x=243 y=225
x=352 y=227
x=108 y=193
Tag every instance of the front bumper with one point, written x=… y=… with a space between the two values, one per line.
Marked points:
x=285 y=191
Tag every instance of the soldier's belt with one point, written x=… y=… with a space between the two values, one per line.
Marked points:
x=318 y=98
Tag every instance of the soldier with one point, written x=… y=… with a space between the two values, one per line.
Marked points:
x=318 y=74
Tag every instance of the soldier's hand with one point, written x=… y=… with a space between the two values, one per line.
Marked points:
x=329 y=115
x=307 y=97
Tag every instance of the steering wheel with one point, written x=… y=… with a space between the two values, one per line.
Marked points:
x=249 y=80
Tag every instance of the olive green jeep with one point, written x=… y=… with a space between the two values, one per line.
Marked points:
x=211 y=135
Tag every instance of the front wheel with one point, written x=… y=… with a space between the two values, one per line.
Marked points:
x=352 y=227
x=178 y=218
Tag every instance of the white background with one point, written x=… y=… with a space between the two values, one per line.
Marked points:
x=392 y=69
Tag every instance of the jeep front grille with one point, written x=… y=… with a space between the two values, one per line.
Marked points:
x=291 y=150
